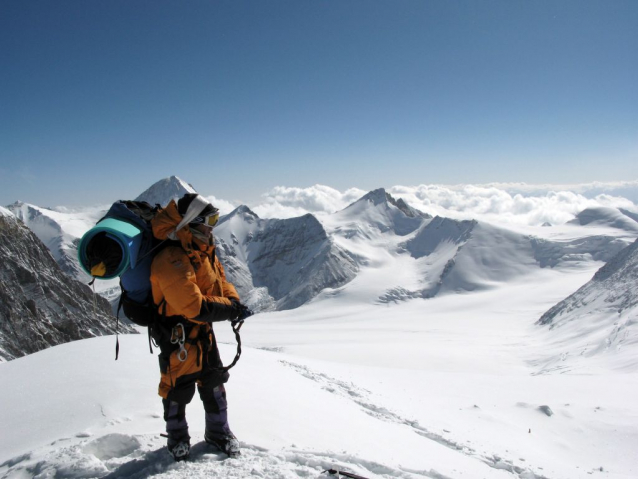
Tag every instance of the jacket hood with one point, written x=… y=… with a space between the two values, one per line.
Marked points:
x=166 y=221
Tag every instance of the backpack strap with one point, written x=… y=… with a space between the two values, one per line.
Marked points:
x=154 y=325
x=117 y=327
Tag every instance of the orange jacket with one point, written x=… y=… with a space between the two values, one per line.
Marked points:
x=188 y=275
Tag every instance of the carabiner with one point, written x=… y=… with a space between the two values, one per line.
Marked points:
x=182 y=351
x=176 y=338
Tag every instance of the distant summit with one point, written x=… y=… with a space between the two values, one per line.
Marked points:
x=163 y=191
x=602 y=216
x=378 y=210
x=241 y=211
x=380 y=196
x=633 y=216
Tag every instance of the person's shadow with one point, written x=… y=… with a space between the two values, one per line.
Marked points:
x=157 y=461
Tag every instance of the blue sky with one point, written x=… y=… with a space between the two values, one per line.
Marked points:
x=100 y=99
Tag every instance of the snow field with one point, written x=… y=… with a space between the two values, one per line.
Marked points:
x=442 y=388
x=463 y=385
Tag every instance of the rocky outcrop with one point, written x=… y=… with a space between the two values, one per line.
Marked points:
x=40 y=306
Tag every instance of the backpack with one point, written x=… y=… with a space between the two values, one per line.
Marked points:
x=123 y=243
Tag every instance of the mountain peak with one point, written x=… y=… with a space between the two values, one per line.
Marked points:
x=243 y=210
x=377 y=196
x=381 y=196
x=165 y=190
x=606 y=216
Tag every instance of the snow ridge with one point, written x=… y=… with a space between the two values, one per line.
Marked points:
x=600 y=318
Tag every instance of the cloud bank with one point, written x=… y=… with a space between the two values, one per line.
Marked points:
x=285 y=202
x=510 y=203
x=224 y=206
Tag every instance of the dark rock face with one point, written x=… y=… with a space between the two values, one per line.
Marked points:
x=280 y=264
x=296 y=260
x=40 y=306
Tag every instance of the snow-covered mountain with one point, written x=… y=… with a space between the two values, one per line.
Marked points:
x=454 y=256
x=39 y=305
x=601 y=318
x=629 y=214
x=165 y=190
x=280 y=264
x=377 y=212
x=611 y=217
x=435 y=389
x=440 y=388
x=59 y=231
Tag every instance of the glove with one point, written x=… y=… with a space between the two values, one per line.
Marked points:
x=242 y=311
x=212 y=312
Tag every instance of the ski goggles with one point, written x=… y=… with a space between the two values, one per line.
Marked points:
x=210 y=220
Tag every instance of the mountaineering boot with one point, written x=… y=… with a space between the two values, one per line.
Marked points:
x=228 y=444
x=178 y=444
x=218 y=433
x=179 y=450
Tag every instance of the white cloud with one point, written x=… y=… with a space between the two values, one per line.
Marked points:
x=491 y=202
x=626 y=189
x=515 y=203
x=288 y=202
x=224 y=206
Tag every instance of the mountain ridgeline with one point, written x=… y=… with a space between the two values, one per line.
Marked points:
x=280 y=264
x=599 y=319
x=40 y=306
x=46 y=225
x=614 y=288
x=284 y=263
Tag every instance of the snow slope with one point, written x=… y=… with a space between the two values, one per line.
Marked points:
x=447 y=387
x=600 y=319
x=436 y=389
